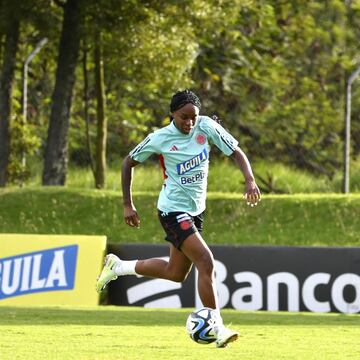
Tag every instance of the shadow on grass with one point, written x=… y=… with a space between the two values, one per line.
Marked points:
x=119 y=316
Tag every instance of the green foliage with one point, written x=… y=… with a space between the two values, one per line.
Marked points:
x=303 y=220
x=224 y=177
x=24 y=143
x=278 y=69
x=274 y=72
x=37 y=22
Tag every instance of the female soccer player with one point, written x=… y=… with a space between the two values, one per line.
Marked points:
x=183 y=148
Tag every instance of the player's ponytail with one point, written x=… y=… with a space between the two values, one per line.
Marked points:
x=215 y=118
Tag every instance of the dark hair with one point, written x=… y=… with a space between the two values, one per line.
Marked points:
x=215 y=118
x=181 y=98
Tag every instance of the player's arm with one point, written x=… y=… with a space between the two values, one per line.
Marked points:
x=229 y=146
x=130 y=214
x=252 y=193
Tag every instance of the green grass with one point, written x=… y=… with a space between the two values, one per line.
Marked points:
x=305 y=220
x=136 y=333
x=223 y=177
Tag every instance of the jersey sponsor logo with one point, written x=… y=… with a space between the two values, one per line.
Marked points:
x=201 y=139
x=192 y=179
x=188 y=165
x=174 y=148
x=41 y=271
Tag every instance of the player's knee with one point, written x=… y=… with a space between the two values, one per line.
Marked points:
x=205 y=264
x=179 y=277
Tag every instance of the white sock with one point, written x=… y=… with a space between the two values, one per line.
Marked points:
x=219 y=321
x=126 y=268
x=218 y=315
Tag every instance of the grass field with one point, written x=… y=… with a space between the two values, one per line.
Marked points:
x=137 y=333
x=304 y=220
x=224 y=176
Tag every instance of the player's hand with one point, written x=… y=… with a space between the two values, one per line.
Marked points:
x=131 y=216
x=252 y=193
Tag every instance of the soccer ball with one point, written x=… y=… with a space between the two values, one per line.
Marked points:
x=200 y=325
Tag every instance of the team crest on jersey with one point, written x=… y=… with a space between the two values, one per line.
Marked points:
x=201 y=139
x=194 y=162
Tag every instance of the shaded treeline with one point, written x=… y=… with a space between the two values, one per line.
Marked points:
x=273 y=71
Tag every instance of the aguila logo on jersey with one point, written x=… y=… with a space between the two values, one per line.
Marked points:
x=188 y=165
x=41 y=271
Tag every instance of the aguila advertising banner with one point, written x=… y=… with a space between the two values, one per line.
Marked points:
x=252 y=278
x=50 y=269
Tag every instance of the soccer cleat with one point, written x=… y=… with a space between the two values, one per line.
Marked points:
x=108 y=272
x=225 y=336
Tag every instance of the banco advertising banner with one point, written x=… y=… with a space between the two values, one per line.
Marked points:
x=50 y=269
x=253 y=278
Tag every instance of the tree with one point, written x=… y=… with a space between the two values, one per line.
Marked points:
x=275 y=74
x=273 y=71
x=56 y=152
x=100 y=158
x=12 y=28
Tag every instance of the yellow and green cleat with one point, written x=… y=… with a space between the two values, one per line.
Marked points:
x=108 y=272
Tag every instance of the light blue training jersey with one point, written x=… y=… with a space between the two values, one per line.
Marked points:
x=185 y=161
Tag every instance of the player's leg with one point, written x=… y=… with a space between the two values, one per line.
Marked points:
x=178 y=226
x=195 y=248
x=197 y=251
x=176 y=269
